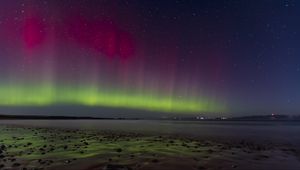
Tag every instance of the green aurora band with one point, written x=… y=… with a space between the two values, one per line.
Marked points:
x=94 y=96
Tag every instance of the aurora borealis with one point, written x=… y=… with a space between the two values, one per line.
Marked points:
x=39 y=95
x=172 y=56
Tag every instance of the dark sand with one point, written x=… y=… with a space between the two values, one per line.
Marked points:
x=54 y=149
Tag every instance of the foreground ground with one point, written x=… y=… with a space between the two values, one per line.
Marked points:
x=47 y=148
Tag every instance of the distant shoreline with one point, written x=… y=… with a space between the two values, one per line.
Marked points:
x=36 y=117
x=237 y=119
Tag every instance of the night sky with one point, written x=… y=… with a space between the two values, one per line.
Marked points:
x=149 y=57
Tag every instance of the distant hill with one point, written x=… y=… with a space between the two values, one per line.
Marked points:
x=265 y=118
x=272 y=117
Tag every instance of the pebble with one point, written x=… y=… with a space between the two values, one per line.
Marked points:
x=233 y=166
x=119 y=150
x=201 y=168
x=16 y=164
x=67 y=161
x=155 y=161
x=116 y=167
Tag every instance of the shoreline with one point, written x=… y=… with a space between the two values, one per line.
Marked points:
x=58 y=148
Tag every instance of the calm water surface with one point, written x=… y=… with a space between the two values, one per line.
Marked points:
x=275 y=132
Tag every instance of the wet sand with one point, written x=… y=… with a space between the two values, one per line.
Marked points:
x=25 y=147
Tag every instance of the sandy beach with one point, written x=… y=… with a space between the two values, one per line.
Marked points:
x=25 y=147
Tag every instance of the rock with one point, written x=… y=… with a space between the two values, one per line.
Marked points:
x=155 y=160
x=210 y=151
x=16 y=164
x=67 y=161
x=116 y=167
x=264 y=156
x=201 y=168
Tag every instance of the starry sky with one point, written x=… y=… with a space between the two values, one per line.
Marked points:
x=149 y=58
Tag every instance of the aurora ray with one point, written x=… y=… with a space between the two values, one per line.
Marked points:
x=53 y=59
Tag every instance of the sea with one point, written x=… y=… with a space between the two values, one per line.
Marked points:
x=278 y=132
